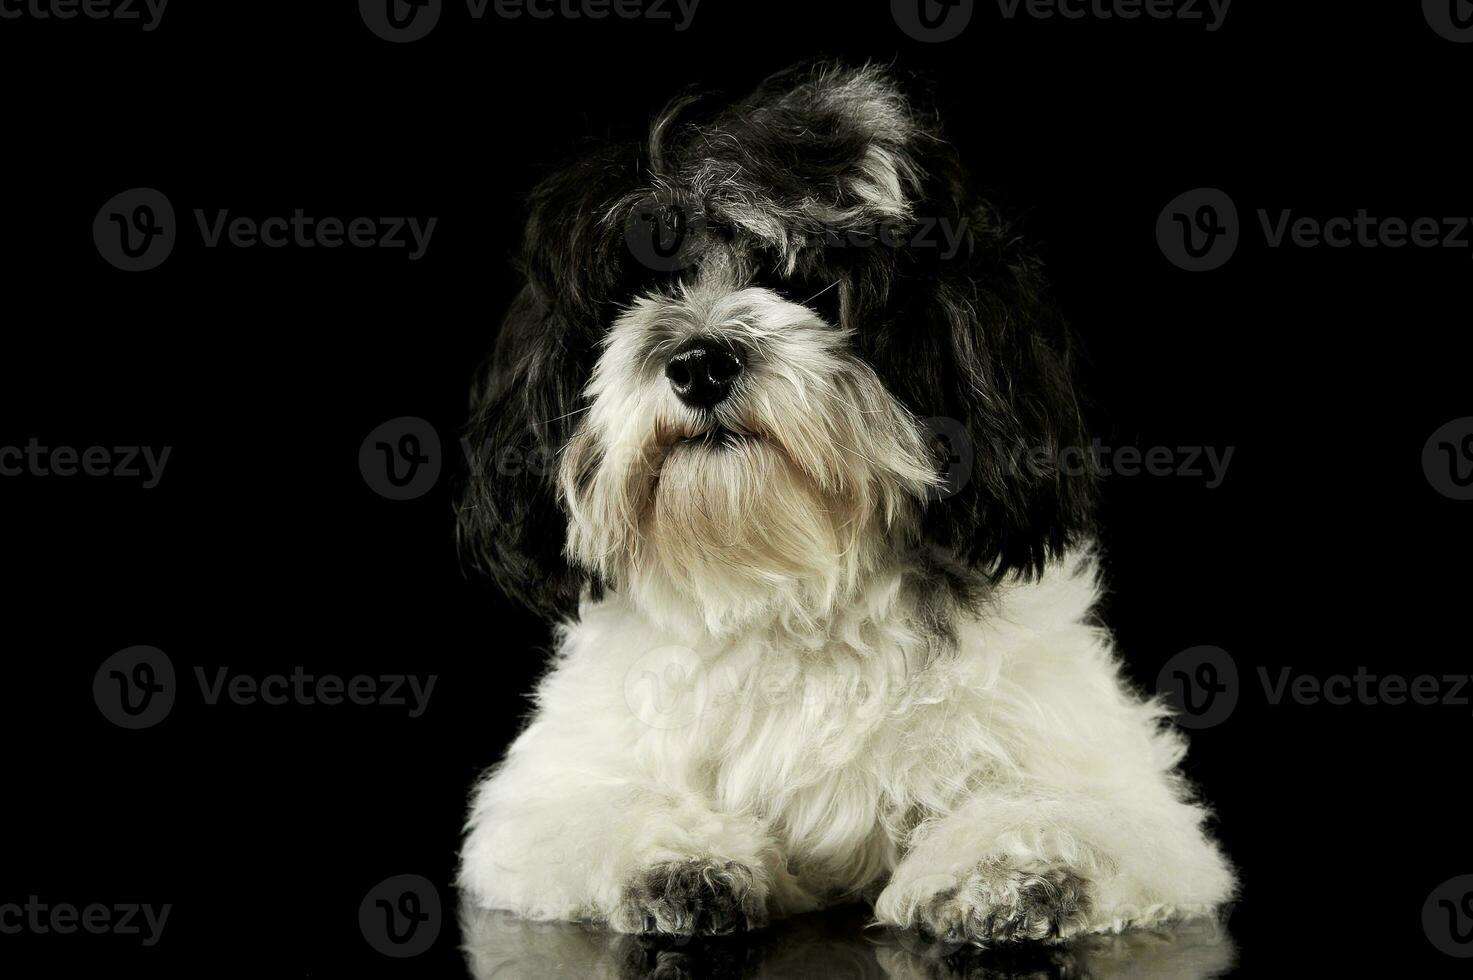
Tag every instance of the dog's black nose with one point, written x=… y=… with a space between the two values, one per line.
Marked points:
x=702 y=372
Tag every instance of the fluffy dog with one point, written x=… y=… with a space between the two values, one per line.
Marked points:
x=818 y=638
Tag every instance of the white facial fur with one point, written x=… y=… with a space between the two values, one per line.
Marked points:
x=782 y=522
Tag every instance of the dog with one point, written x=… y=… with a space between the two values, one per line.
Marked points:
x=817 y=639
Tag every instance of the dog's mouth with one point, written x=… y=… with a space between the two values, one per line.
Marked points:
x=717 y=437
x=710 y=433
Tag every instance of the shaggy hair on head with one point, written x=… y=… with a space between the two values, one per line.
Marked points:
x=818 y=638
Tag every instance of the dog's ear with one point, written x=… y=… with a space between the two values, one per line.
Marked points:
x=960 y=325
x=523 y=406
x=525 y=400
x=1006 y=421
x=573 y=252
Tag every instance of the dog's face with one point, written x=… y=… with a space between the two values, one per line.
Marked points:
x=753 y=346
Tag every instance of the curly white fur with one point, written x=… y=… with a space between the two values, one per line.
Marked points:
x=840 y=762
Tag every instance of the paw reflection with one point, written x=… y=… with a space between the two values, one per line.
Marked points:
x=832 y=944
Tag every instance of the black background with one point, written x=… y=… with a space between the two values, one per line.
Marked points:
x=263 y=549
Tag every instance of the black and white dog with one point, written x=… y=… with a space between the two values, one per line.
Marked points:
x=803 y=657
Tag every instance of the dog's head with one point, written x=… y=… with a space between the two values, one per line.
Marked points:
x=772 y=349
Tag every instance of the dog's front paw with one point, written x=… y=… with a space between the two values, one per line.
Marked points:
x=692 y=898
x=998 y=902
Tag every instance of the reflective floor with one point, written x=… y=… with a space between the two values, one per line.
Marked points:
x=832 y=944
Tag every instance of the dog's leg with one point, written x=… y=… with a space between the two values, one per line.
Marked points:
x=553 y=842
x=1071 y=815
x=1029 y=862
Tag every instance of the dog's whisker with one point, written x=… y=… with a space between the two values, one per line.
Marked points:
x=576 y=411
x=821 y=292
